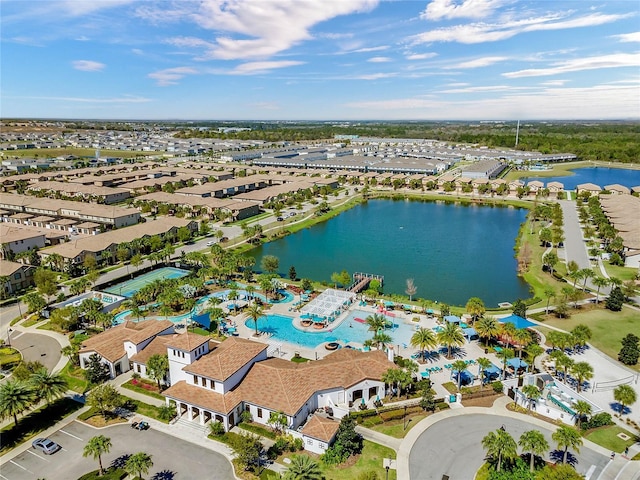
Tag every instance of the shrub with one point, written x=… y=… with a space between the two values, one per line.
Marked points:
x=167 y=412
x=497 y=387
x=597 y=420
x=217 y=428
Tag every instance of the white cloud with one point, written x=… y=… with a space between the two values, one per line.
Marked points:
x=123 y=99
x=439 y=9
x=421 y=56
x=374 y=76
x=254 y=68
x=170 y=76
x=78 y=7
x=488 y=88
x=491 y=32
x=272 y=25
x=478 y=63
x=554 y=83
x=579 y=64
x=88 y=65
x=628 y=37
x=379 y=59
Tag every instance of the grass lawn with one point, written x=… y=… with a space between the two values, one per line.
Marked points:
x=80 y=152
x=558 y=170
x=608 y=328
x=9 y=357
x=144 y=409
x=607 y=438
x=395 y=428
x=75 y=378
x=369 y=460
x=144 y=387
x=35 y=422
x=622 y=273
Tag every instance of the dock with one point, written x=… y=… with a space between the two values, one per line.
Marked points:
x=362 y=280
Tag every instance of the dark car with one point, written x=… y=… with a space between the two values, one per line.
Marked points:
x=280 y=219
x=45 y=445
x=140 y=425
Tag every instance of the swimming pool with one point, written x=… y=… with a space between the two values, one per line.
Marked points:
x=350 y=330
x=129 y=288
x=242 y=295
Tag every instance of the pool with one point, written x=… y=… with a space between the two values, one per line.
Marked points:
x=242 y=294
x=130 y=287
x=350 y=330
x=119 y=318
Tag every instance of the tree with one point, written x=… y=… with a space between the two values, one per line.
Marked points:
x=558 y=472
x=521 y=339
x=531 y=392
x=48 y=386
x=303 y=467
x=585 y=274
x=563 y=361
x=254 y=312
x=630 y=351
x=136 y=261
x=475 y=307
x=138 y=464
x=483 y=364
x=95 y=370
x=347 y=437
x=500 y=445
x=582 y=371
x=376 y=322
x=158 y=367
x=549 y=293
x=599 y=282
x=35 y=302
x=582 y=409
x=625 y=395
x=270 y=263
x=520 y=308
x=428 y=400
x=580 y=335
x=104 y=398
x=550 y=260
x=615 y=299
x=16 y=397
x=411 y=288
x=292 y=273
x=424 y=338
x=487 y=328
x=382 y=339
x=533 y=351
x=459 y=366
x=247 y=449
x=278 y=421
x=567 y=437
x=46 y=281
x=505 y=354
x=451 y=336
x=533 y=441
x=96 y=447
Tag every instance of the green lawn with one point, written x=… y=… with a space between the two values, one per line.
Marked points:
x=607 y=438
x=608 y=328
x=370 y=459
x=144 y=408
x=622 y=273
x=75 y=378
x=139 y=387
x=9 y=357
x=396 y=428
x=558 y=170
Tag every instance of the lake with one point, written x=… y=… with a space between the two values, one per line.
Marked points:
x=598 y=175
x=453 y=252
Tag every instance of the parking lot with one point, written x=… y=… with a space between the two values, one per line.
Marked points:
x=172 y=458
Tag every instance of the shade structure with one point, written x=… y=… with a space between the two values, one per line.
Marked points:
x=492 y=370
x=328 y=302
x=517 y=363
x=452 y=319
x=469 y=332
x=517 y=321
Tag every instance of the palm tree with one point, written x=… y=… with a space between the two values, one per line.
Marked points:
x=15 y=398
x=391 y=377
x=96 y=447
x=582 y=409
x=599 y=282
x=303 y=467
x=500 y=445
x=532 y=393
x=563 y=361
x=582 y=371
x=533 y=441
x=521 y=338
x=534 y=351
x=138 y=463
x=549 y=293
x=250 y=289
x=508 y=330
x=567 y=437
x=411 y=288
x=423 y=339
x=376 y=322
x=158 y=367
x=487 y=328
x=505 y=354
x=255 y=312
x=625 y=395
x=586 y=274
x=165 y=310
x=458 y=366
x=451 y=336
x=47 y=386
x=475 y=307
x=382 y=339
x=575 y=276
x=483 y=364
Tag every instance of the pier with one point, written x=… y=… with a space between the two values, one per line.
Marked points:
x=362 y=280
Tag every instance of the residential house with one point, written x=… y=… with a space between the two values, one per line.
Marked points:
x=15 y=276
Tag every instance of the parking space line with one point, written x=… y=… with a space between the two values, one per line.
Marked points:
x=67 y=433
x=2 y=476
x=36 y=455
x=20 y=466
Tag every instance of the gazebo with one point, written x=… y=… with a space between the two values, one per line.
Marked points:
x=327 y=304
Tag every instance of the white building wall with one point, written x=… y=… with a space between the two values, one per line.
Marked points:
x=235 y=379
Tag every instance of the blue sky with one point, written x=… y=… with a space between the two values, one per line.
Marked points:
x=321 y=59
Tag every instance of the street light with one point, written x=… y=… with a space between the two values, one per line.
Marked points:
x=387 y=469
x=404 y=418
x=9 y=336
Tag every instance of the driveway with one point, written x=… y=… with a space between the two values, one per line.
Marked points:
x=453 y=447
x=37 y=347
x=172 y=458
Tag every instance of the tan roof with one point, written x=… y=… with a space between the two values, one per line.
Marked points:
x=321 y=428
x=157 y=346
x=280 y=385
x=591 y=187
x=616 y=187
x=110 y=343
x=202 y=397
x=187 y=341
x=15 y=233
x=226 y=359
x=9 y=268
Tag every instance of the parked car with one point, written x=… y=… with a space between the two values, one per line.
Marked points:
x=211 y=242
x=140 y=425
x=280 y=219
x=45 y=445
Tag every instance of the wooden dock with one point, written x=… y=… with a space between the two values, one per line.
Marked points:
x=362 y=280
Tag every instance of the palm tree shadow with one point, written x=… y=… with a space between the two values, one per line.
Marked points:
x=618 y=407
x=557 y=456
x=120 y=461
x=164 y=475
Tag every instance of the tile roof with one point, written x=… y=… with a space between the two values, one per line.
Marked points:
x=157 y=346
x=226 y=359
x=202 y=397
x=321 y=428
x=187 y=341
x=110 y=343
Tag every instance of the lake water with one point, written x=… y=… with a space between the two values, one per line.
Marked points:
x=598 y=175
x=452 y=252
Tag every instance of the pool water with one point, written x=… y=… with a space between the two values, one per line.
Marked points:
x=281 y=328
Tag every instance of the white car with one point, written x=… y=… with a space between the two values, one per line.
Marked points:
x=211 y=242
x=45 y=445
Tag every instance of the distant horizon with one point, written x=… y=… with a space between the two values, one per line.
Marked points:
x=282 y=60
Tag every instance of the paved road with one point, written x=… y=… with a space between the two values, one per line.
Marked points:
x=575 y=247
x=37 y=347
x=453 y=447
x=7 y=314
x=172 y=457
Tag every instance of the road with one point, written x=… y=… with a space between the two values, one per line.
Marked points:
x=36 y=347
x=7 y=314
x=172 y=457
x=453 y=447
